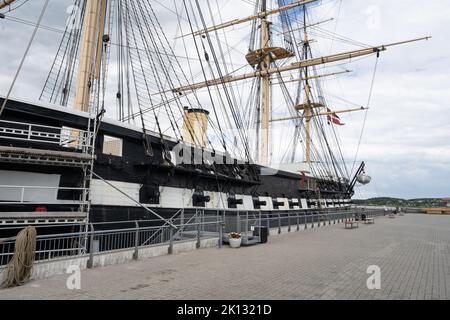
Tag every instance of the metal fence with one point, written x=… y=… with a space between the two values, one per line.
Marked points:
x=245 y=221
x=96 y=239
x=99 y=238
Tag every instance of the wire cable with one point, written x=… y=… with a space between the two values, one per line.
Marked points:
x=33 y=36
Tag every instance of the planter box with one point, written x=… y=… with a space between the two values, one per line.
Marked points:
x=235 y=243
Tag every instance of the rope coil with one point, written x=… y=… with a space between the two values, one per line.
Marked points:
x=18 y=270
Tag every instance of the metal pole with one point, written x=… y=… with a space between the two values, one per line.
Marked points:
x=171 y=240
x=306 y=222
x=246 y=224
x=279 y=224
x=22 y=196
x=260 y=219
x=136 y=242
x=238 y=222
x=198 y=237
x=90 y=263
x=221 y=226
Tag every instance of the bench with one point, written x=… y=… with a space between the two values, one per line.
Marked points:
x=349 y=224
x=369 y=221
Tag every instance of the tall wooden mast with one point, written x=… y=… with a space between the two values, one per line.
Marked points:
x=308 y=108
x=90 y=56
x=265 y=89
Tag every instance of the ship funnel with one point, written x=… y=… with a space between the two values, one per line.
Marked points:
x=364 y=179
x=195 y=127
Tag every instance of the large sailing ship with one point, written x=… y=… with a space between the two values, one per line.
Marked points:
x=180 y=140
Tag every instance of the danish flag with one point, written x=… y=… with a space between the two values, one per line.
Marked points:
x=333 y=118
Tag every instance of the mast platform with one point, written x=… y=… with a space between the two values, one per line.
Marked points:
x=255 y=57
x=304 y=106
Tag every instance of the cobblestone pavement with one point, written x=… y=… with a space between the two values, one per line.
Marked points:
x=413 y=253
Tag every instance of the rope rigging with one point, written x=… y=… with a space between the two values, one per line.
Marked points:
x=27 y=50
x=366 y=112
x=149 y=69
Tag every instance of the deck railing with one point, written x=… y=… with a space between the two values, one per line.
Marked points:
x=25 y=194
x=62 y=137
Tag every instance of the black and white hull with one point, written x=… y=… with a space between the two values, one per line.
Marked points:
x=42 y=175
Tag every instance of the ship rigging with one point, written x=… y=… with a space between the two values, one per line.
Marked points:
x=197 y=90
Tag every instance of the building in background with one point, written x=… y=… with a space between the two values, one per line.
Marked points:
x=447 y=202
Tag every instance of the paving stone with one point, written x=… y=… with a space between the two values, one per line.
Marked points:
x=321 y=263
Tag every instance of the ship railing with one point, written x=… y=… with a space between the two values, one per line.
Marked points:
x=89 y=242
x=98 y=239
x=159 y=234
x=51 y=247
x=61 y=136
x=245 y=222
x=10 y=194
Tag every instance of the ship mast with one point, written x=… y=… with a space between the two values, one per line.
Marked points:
x=91 y=52
x=261 y=59
x=308 y=108
x=265 y=88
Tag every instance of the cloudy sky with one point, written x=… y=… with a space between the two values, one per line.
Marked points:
x=406 y=141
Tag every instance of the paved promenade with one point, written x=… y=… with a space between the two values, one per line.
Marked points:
x=413 y=253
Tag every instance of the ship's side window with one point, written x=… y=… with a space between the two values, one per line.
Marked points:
x=112 y=146
x=71 y=138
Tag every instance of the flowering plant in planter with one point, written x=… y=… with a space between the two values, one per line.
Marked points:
x=235 y=239
x=235 y=235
